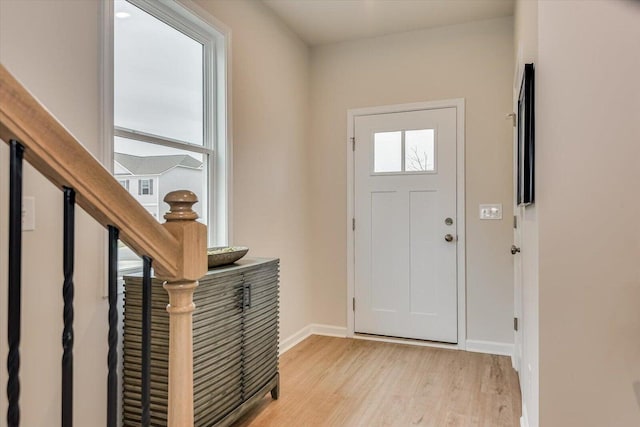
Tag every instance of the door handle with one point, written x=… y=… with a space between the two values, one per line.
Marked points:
x=514 y=249
x=448 y=237
x=247 y=296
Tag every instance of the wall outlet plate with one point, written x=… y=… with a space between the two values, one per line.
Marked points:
x=491 y=211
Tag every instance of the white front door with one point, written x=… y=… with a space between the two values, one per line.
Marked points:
x=405 y=225
x=517 y=292
x=517 y=272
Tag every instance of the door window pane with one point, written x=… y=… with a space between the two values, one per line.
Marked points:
x=387 y=151
x=158 y=77
x=419 y=150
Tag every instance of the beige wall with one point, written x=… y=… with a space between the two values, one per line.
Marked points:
x=52 y=48
x=472 y=61
x=270 y=93
x=587 y=145
x=290 y=195
x=526 y=51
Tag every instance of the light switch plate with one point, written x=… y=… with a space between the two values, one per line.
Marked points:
x=28 y=213
x=491 y=211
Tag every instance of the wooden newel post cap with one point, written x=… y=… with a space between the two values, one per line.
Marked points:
x=180 y=203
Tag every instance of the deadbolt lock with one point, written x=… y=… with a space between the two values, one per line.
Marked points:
x=448 y=221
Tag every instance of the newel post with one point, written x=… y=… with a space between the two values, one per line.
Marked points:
x=192 y=237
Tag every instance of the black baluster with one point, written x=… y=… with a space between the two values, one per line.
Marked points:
x=15 y=262
x=146 y=341
x=112 y=357
x=67 y=294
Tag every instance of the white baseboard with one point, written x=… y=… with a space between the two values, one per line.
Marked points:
x=328 y=330
x=289 y=342
x=490 y=347
x=312 y=329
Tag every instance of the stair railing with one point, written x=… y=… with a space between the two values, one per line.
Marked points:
x=176 y=248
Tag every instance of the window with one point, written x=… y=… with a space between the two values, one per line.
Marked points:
x=388 y=151
x=169 y=109
x=404 y=151
x=145 y=187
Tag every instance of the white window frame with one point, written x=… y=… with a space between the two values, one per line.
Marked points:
x=192 y=20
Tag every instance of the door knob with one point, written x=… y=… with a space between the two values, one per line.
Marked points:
x=448 y=237
x=514 y=249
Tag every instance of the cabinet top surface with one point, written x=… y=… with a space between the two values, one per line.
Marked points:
x=241 y=264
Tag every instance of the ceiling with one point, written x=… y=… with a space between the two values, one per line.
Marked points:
x=328 y=21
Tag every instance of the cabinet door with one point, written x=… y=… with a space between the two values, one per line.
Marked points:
x=132 y=354
x=217 y=344
x=260 y=354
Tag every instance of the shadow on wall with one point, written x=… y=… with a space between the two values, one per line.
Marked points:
x=636 y=388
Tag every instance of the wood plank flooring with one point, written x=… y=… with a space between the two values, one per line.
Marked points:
x=346 y=382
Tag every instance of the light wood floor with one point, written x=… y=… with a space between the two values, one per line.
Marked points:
x=345 y=382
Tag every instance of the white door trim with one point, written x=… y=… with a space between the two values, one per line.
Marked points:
x=459 y=105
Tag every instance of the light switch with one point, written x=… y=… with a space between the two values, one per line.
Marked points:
x=491 y=211
x=28 y=213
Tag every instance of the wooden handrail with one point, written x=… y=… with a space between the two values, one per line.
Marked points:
x=55 y=153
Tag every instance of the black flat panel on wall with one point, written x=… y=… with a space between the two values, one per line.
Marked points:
x=526 y=143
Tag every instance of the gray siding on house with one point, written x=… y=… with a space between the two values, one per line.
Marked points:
x=181 y=179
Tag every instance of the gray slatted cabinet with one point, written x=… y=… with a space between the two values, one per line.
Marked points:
x=235 y=343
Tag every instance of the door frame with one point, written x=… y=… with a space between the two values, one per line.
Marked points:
x=459 y=105
x=516 y=356
x=518 y=212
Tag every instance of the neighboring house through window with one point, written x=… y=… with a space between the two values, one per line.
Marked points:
x=169 y=110
x=157 y=175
